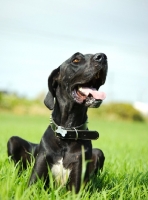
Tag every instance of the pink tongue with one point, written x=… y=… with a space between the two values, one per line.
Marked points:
x=96 y=94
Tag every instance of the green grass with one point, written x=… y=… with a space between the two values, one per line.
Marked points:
x=125 y=174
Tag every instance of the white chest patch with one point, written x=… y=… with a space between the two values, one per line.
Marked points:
x=60 y=173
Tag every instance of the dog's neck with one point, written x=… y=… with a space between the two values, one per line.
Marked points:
x=69 y=115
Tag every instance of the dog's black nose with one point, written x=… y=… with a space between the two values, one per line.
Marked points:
x=100 y=57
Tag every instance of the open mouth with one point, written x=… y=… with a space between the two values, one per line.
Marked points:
x=88 y=93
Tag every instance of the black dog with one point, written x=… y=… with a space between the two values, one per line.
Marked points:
x=72 y=89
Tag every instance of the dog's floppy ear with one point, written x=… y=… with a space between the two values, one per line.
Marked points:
x=49 y=101
x=52 y=84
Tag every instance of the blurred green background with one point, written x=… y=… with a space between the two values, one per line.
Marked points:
x=123 y=138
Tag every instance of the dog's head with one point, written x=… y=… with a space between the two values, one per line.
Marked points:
x=79 y=79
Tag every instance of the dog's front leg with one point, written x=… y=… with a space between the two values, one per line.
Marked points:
x=78 y=175
x=74 y=181
x=40 y=169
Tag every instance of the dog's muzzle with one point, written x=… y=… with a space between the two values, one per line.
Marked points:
x=87 y=92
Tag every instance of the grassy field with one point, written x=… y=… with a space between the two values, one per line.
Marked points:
x=125 y=175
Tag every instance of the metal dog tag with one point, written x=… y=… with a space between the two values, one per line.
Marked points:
x=62 y=131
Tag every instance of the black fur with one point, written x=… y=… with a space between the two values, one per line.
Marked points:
x=68 y=112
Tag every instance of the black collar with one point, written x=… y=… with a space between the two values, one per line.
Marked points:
x=77 y=133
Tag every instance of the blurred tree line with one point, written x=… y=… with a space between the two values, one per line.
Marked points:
x=111 y=111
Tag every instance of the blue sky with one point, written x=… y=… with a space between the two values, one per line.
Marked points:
x=37 y=36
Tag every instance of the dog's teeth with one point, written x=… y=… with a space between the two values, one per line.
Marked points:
x=80 y=88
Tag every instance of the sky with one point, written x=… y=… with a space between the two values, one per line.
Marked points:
x=37 y=36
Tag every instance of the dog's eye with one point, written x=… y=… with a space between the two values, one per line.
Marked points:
x=76 y=60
